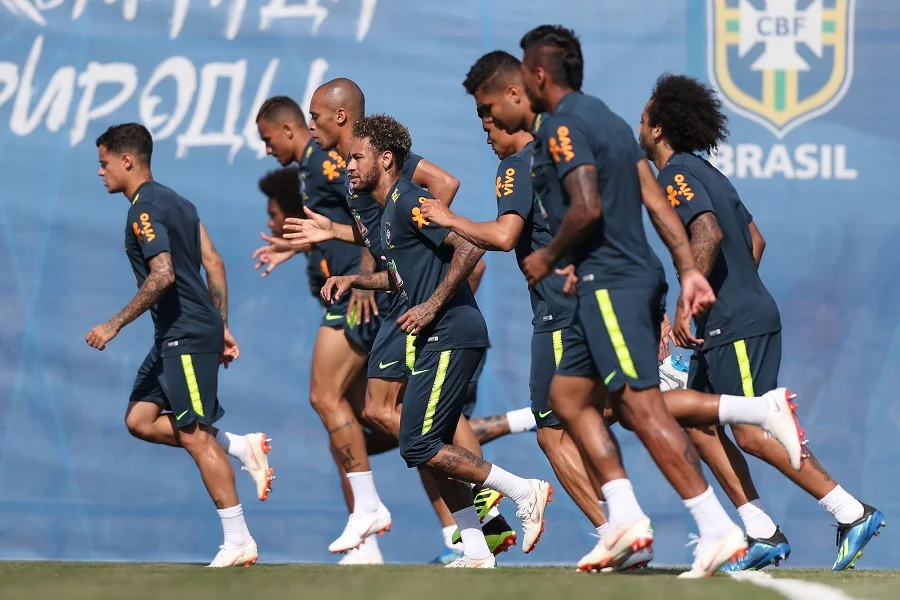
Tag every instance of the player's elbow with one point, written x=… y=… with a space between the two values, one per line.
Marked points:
x=591 y=211
x=451 y=184
x=507 y=241
x=166 y=278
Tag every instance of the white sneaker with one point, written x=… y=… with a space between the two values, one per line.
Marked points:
x=532 y=513
x=359 y=527
x=464 y=562
x=256 y=463
x=712 y=554
x=232 y=556
x=618 y=545
x=673 y=373
x=782 y=424
x=362 y=556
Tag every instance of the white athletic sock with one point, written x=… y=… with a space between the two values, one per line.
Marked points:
x=447 y=532
x=474 y=544
x=520 y=420
x=734 y=410
x=602 y=530
x=234 y=526
x=491 y=514
x=713 y=522
x=842 y=506
x=369 y=547
x=757 y=523
x=621 y=501
x=512 y=486
x=234 y=445
x=365 y=496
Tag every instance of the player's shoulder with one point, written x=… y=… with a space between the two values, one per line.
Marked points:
x=153 y=197
x=327 y=163
x=518 y=162
x=410 y=165
x=685 y=165
x=406 y=193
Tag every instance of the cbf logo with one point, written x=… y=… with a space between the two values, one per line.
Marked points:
x=781 y=62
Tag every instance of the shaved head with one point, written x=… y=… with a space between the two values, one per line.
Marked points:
x=335 y=107
x=343 y=93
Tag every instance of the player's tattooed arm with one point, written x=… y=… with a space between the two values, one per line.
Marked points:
x=462 y=264
x=665 y=220
x=371 y=281
x=585 y=208
x=706 y=240
x=216 y=280
x=160 y=279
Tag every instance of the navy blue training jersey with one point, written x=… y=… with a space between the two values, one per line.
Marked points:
x=185 y=319
x=323 y=189
x=552 y=309
x=417 y=262
x=744 y=307
x=584 y=131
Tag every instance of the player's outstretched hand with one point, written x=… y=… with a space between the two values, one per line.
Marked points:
x=336 y=287
x=436 y=212
x=272 y=254
x=570 y=287
x=697 y=295
x=231 y=351
x=302 y=232
x=417 y=318
x=364 y=304
x=101 y=335
x=536 y=266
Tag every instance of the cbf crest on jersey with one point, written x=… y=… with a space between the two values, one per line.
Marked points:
x=780 y=62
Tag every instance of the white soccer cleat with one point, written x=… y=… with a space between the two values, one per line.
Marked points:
x=782 y=424
x=619 y=545
x=359 y=527
x=532 y=513
x=236 y=556
x=710 y=555
x=362 y=556
x=256 y=462
x=464 y=562
x=638 y=560
x=673 y=374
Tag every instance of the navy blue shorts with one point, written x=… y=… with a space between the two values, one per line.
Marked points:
x=615 y=336
x=743 y=368
x=546 y=354
x=362 y=335
x=433 y=401
x=336 y=314
x=393 y=353
x=472 y=392
x=186 y=384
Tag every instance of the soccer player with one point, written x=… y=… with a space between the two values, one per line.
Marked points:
x=166 y=244
x=450 y=338
x=739 y=340
x=584 y=155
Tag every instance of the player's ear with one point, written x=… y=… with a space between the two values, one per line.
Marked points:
x=540 y=76
x=127 y=161
x=288 y=131
x=514 y=94
x=340 y=116
x=387 y=159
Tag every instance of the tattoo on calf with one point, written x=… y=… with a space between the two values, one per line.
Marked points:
x=813 y=462
x=345 y=455
x=455 y=460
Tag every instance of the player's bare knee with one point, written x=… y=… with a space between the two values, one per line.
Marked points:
x=549 y=438
x=418 y=452
x=324 y=402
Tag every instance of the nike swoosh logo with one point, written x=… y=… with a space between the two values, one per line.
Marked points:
x=414 y=372
x=381 y=365
x=609 y=378
x=331 y=317
x=544 y=414
x=178 y=418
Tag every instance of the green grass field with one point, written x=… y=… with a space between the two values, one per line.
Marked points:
x=86 y=581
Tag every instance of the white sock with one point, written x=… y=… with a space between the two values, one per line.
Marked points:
x=234 y=445
x=602 y=530
x=234 y=526
x=842 y=506
x=512 y=486
x=734 y=410
x=365 y=496
x=474 y=544
x=520 y=420
x=447 y=532
x=369 y=547
x=491 y=514
x=713 y=522
x=757 y=523
x=621 y=501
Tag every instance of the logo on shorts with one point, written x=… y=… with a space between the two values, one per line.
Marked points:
x=780 y=63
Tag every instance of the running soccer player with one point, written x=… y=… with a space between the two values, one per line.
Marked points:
x=166 y=244
x=450 y=338
x=740 y=347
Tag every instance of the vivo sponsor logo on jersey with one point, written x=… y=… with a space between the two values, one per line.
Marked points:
x=780 y=64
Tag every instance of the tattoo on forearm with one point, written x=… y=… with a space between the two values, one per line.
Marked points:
x=345 y=455
x=706 y=240
x=367 y=262
x=160 y=279
x=372 y=281
x=465 y=258
x=220 y=300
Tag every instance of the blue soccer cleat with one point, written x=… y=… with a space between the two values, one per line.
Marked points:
x=853 y=537
x=446 y=557
x=762 y=553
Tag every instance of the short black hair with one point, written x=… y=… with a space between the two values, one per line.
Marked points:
x=284 y=186
x=132 y=138
x=385 y=133
x=488 y=70
x=564 y=62
x=278 y=109
x=689 y=112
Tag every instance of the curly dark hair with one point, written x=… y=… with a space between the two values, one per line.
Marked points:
x=491 y=68
x=385 y=133
x=565 y=62
x=689 y=112
x=284 y=186
x=132 y=138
